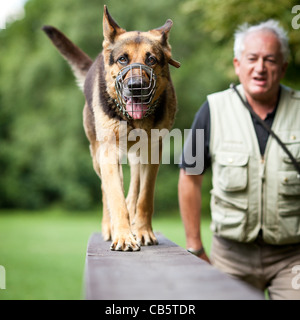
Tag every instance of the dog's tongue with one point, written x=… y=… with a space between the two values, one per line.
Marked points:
x=135 y=109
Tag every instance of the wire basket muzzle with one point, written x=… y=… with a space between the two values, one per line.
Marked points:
x=135 y=86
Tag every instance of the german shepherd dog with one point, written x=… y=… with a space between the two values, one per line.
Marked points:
x=129 y=81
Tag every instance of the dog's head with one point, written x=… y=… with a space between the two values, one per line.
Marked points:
x=136 y=65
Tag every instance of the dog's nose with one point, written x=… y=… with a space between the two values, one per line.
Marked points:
x=136 y=84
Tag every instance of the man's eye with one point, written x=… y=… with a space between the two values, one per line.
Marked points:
x=123 y=60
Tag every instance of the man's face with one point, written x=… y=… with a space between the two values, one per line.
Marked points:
x=261 y=66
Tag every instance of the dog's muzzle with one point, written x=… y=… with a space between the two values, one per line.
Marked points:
x=135 y=87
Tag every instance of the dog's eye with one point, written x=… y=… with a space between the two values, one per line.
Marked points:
x=123 y=60
x=151 y=60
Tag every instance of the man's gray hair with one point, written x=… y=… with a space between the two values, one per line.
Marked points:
x=270 y=25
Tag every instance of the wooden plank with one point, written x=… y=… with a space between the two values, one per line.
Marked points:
x=162 y=272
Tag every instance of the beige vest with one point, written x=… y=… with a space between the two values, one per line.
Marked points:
x=250 y=192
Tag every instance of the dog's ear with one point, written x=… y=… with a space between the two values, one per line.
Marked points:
x=110 y=27
x=174 y=63
x=164 y=31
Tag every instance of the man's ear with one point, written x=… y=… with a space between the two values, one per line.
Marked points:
x=236 y=64
x=110 y=28
x=284 y=68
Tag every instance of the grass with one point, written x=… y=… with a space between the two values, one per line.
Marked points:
x=44 y=252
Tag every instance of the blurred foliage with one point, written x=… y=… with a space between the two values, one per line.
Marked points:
x=44 y=156
x=219 y=20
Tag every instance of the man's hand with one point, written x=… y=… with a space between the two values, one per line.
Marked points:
x=200 y=254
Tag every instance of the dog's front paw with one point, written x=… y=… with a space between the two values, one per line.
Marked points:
x=145 y=237
x=124 y=242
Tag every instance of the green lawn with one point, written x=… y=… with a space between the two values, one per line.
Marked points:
x=44 y=252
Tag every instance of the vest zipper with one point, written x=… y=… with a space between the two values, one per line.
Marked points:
x=262 y=191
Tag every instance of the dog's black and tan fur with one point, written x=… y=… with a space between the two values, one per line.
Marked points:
x=126 y=221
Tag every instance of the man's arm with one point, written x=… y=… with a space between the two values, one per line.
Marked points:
x=189 y=194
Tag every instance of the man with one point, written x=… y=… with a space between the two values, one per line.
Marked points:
x=255 y=200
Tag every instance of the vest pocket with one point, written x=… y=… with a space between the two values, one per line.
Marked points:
x=289 y=206
x=232 y=171
x=291 y=140
x=289 y=184
x=289 y=193
x=229 y=201
x=229 y=216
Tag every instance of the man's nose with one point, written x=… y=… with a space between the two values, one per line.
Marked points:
x=260 y=65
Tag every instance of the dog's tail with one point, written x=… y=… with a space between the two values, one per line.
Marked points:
x=79 y=61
